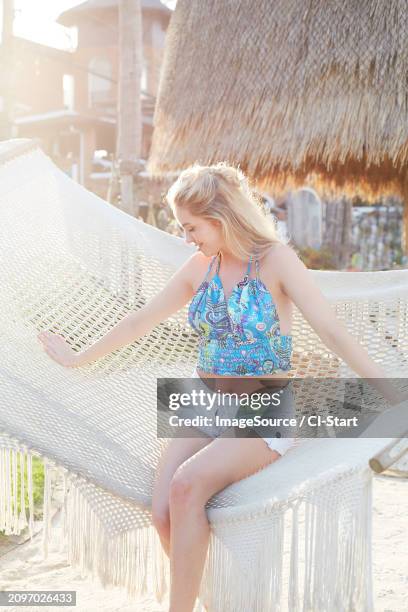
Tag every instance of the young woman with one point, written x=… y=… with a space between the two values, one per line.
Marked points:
x=243 y=313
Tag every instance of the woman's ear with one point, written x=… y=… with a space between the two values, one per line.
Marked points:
x=216 y=223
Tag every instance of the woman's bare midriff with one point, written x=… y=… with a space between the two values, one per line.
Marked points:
x=246 y=384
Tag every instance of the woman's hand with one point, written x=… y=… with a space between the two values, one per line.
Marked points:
x=58 y=349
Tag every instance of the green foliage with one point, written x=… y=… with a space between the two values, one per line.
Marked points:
x=317 y=259
x=398 y=258
x=38 y=486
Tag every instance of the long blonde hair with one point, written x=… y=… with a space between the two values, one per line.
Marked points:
x=222 y=192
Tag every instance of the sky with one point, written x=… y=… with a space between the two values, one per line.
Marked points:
x=35 y=19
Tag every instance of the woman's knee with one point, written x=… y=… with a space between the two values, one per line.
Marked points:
x=184 y=489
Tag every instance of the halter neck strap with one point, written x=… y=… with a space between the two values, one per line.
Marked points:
x=257 y=268
x=251 y=257
x=249 y=265
x=210 y=266
x=218 y=262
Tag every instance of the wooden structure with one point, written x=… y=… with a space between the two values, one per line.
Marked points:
x=71 y=127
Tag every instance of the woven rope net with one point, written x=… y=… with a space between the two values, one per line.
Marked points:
x=73 y=264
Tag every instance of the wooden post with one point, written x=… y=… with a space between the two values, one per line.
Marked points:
x=337 y=229
x=305 y=218
x=89 y=145
x=405 y=217
x=129 y=139
x=346 y=228
x=7 y=71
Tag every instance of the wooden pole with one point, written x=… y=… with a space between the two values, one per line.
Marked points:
x=7 y=71
x=405 y=218
x=387 y=456
x=404 y=227
x=129 y=137
x=347 y=219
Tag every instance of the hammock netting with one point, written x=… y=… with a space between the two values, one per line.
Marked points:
x=295 y=535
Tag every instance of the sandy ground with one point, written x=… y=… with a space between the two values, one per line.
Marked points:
x=23 y=568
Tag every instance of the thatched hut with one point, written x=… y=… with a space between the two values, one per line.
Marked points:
x=294 y=92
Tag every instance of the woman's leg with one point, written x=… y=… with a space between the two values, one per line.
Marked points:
x=216 y=466
x=177 y=451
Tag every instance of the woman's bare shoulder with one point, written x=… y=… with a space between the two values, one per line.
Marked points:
x=196 y=267
x=280 y=252
x=199 y=261
x=279 y=260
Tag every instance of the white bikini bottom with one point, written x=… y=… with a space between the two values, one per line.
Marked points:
x=278 y=439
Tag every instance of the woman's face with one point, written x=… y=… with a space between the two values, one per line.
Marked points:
x=205 y=233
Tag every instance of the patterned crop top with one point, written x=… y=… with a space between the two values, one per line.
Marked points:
x=240 y=336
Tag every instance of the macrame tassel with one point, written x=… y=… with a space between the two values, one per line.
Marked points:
x=244 y=570
x=48 y=479
x=2 y=489
x=367 y=526
x=22 y=519
x=6 y=499
x=133 y=559
x=64 y=476
x=337 y=541
x=14 y=484
x=251 y=580
x=294 y=560
x=310 y=539
x=30 y=495
x=7 y=492
x=330 y=524
x=12 y=491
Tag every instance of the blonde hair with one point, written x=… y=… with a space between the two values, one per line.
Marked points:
x=222 y=192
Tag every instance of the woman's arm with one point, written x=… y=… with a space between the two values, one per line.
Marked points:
x=176 y=293
x=299 y=285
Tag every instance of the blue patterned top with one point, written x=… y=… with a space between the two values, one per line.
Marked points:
x=240 y=336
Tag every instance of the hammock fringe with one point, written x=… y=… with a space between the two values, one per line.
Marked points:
x=327 y=553
x=13 y=491
x=133 y=559
x=326 y=556
x=129 y=559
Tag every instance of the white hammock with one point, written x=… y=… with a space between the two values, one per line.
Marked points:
x=294 y=535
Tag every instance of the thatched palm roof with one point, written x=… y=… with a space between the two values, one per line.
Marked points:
x=288 y=88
